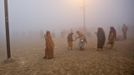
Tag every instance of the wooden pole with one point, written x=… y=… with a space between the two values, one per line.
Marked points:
x=7 y=29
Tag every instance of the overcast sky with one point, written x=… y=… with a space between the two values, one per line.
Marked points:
x=36 y=15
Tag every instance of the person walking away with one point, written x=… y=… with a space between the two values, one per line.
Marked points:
x=124 y=30
x=112 y=37
x=100 y=38
x=49 y=50
x=70 y=41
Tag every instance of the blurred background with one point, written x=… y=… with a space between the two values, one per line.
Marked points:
x=29 y=19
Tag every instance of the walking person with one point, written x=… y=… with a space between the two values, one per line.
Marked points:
x=49 y=50
x=70 y=41
x=100 y=38
x=112 y=37
x=124 y=31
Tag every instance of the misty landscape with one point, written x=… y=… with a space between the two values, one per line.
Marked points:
x=29 y=20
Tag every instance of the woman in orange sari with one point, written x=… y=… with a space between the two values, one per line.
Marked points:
x=49 y=50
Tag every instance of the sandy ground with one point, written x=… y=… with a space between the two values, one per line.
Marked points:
x=116 y=61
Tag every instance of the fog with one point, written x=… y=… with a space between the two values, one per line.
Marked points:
x=29 y=19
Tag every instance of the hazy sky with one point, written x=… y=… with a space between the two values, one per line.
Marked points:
x=36 y=15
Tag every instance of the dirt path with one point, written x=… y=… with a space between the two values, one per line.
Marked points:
x=118 y=61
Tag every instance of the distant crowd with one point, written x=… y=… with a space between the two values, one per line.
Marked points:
x=101 y=39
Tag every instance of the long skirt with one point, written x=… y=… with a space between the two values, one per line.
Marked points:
x=49 y=53
x=100 y=43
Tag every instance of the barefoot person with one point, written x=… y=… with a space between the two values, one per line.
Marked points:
x=112 y=37
x=49 y=50
x=70 y=41
x=100 y=38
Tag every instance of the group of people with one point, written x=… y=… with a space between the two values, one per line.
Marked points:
x=111 y=37
x=81 y=37
x=101 y=38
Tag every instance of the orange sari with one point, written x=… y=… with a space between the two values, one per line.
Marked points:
x=49 y=50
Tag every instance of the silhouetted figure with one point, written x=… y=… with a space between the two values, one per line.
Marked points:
x=100 y=38
x=112 y=37
x=124 y=30
x=70 y=41
x=49 y=50
x=82 y=40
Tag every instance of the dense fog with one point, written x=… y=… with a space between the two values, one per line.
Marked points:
x=29 y=19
